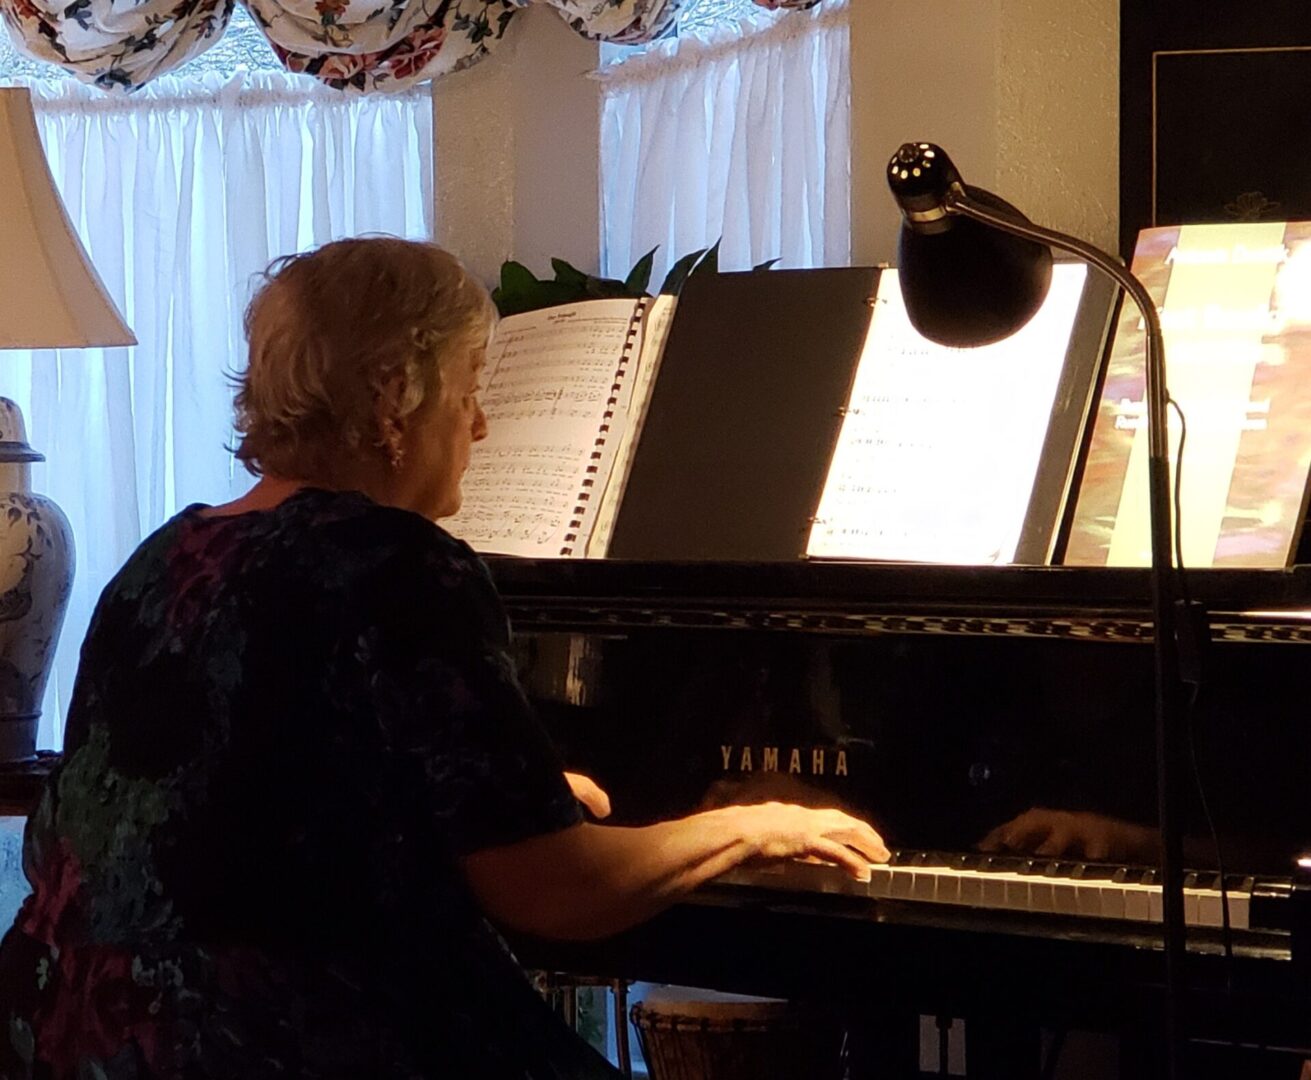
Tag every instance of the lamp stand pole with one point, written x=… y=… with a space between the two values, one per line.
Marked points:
x=1171 y=741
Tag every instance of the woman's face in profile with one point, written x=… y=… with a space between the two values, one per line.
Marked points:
x=440 y=435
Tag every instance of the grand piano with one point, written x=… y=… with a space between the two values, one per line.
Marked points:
x=941 y=703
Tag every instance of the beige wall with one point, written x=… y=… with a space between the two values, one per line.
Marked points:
x=1023 y=93
x=1058 y=124
x=516 y=151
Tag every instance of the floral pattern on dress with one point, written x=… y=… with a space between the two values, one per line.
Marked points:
x=286 y=728
x=360 y=45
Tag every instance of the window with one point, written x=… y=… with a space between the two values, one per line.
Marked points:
x=182 y=193
x=738 y=128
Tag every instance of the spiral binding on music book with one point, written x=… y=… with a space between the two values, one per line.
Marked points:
x=574 y=534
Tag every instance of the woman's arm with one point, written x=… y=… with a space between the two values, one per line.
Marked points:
x=591 y=881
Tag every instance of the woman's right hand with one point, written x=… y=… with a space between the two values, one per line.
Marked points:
x=784 y=831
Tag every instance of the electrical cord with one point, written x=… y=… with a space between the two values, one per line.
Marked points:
x=1226 y=929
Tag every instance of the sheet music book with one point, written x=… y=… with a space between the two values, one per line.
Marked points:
x=565 y=390
x=742 y=418
x=962 y=456
x=1235 y=304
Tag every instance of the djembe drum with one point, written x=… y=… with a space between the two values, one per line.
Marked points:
x=703 y=1035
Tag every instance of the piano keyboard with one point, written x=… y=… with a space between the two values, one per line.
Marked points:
x=1090 y=890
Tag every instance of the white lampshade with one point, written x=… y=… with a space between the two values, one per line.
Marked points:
x=50 y=294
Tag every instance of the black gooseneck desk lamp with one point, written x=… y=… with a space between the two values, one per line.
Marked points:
x=973 y=270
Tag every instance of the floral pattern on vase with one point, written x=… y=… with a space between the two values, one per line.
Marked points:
x=36 y=577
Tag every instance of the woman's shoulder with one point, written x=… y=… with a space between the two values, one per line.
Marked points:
x=354 y=521
x=395 y=564
x=381 y=545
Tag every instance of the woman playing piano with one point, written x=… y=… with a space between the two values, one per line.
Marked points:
x=300 y=783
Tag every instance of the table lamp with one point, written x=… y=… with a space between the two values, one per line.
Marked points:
x=50 y=298
x=973 y=269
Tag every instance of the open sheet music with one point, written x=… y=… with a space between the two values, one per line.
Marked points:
x=939 y=451
x=560 y=399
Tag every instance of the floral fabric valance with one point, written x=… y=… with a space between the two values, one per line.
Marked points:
x=349 y=44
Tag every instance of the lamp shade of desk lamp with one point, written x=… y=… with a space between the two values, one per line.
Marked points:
x=973 y=270
x=50 y=298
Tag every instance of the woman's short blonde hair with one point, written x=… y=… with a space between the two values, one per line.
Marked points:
x=330 y=329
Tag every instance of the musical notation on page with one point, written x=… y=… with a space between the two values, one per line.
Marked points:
x=552 y=384
x=939 y=447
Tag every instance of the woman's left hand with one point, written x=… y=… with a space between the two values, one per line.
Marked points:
x=587 y=792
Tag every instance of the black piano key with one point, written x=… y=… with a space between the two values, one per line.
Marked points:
x=1006 y=864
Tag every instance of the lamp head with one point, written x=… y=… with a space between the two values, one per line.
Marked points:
x=965 y=283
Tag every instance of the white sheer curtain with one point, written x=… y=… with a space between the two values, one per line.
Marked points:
x=182 y=193
x=742 y=132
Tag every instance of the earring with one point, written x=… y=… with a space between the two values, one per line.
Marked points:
x=390 y=444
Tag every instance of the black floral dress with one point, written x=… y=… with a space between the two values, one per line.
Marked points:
x=287 y=727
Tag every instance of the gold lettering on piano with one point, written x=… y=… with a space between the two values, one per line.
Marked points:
x=801 y=761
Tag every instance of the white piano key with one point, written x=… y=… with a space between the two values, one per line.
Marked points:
x=1042 y=895
x=1112 y=900
x=924 y=885
x=1088 y=896
x=947 y=887
x=1209 y=908
x=1240 y=910
x=994 y=890
x=1018 y=895
x=1138 y=902
x=1066 y=897
x=971 y=887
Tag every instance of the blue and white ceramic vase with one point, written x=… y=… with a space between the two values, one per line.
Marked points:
x=36 y=577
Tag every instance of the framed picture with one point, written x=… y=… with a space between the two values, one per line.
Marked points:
x=1215 y=111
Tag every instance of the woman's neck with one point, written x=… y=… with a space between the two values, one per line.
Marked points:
x=267 y=493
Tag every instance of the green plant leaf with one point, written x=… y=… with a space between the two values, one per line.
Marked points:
x=565 y=272
x=639 y=278
x=769 y=265
x=544 y=294
x=709 y=264
x=678 y=273
x=599 y=288
x=515 y=277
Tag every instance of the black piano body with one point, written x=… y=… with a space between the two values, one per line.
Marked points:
x=940 y=703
